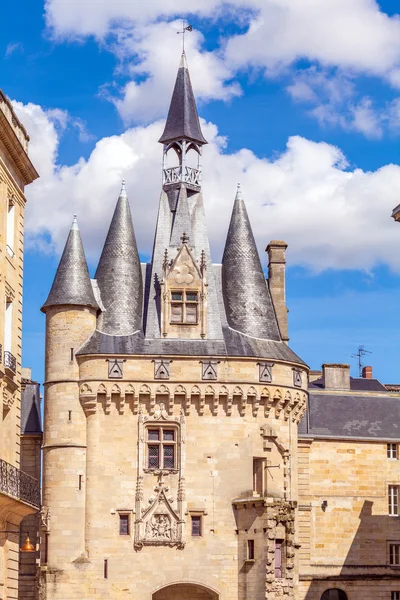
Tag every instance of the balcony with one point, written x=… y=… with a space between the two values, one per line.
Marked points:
x=10 y=362
x=19 y=485
x=188 y=175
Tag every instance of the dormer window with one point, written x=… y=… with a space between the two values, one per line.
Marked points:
x=184 y=307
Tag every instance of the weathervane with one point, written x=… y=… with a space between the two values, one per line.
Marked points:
x=187 y=28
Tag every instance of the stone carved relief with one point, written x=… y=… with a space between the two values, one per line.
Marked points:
x=161 y=369
x=159 y=524
x=115 y=368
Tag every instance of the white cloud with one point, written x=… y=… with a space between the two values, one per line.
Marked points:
x=13 y=47
x=147 y=95
x=330 y=216
x=354 y=36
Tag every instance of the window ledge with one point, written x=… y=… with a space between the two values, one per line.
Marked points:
x=250 y=560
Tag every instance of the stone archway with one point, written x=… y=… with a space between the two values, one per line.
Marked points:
x=185 y=591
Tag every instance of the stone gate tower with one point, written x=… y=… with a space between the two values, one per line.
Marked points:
x=172 y=403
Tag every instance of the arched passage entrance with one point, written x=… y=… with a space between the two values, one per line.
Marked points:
x=334 y=594
x=185 y=591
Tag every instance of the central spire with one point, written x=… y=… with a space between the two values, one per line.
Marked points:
x=182 y=137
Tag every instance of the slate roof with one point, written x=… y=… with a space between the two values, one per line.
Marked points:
x=183 y=119
x=241 y=319
x=230 y=343
x=72 y=284
x=31 y=421
x=119 y=275
x=248 y=303
x=357 y=384
x=352 y=416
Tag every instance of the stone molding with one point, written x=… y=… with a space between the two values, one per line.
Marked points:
x=269 y=401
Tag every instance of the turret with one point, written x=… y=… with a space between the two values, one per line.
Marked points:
x=71 y=311
x=182 y=135
x=119 y=275
x=247 y=299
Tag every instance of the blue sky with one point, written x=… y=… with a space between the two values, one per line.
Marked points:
x=301 y=105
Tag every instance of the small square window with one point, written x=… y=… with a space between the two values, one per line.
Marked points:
x=123 y=524
x=177 y=296
x=191 y=296
x=394 y=555
x=392 y=451
x=154 y=434
x=169 y=435
x=196 y=525
x=250 y=550
x=395 y=596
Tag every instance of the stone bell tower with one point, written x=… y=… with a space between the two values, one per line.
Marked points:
x=172 y=403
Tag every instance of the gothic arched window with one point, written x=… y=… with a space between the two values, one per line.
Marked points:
x=334 y=594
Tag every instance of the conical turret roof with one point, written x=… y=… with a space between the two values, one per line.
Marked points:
x=247 y=300
x=119 y=274
x=183 y=119
x=72 y=284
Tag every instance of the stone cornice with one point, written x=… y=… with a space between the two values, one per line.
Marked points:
x=16 y=150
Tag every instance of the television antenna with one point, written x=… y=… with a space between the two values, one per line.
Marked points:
x=359 y=355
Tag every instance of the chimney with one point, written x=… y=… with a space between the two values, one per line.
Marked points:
x=336 y=377
x=367 y=372
x=276 y=281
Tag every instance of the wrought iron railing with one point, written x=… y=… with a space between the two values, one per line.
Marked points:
x=182 y=175
x=18 y=484
x=10 y=362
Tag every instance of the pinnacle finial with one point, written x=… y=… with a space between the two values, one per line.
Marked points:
x=123 y=190
x=185 y=238
x=74 y=226
x=239 y=195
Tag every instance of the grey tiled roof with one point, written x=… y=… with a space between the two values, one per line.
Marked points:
x=119 y=275
x=181 y=219
x=247 y=300
x=349 y=416
x=357 y=384
x=230 y=343
x=31 y=421
x=72 y=284
x=182 y=120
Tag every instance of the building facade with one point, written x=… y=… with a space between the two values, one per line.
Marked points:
x=31 y=443
x=349 y=484
x=171 y=405
x=19 y=493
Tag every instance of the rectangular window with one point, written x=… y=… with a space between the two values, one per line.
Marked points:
x=258 y=476
x=395 y=596
x=10 y=234
x=278 y=559
x=250 y=550
x=8 y=318
x=393 y=497
x=161 y=448
x=394 y=555
x=123 y=524
x=184 y=307
x=196 y=525
x=392 y=451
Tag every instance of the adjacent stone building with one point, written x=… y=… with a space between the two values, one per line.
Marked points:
x=19 y=493
x=349 y=484
x=171 y=405
x=31 y=442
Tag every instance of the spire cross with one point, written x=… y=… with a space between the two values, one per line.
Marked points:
x=185 y=238
x=187 y=28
